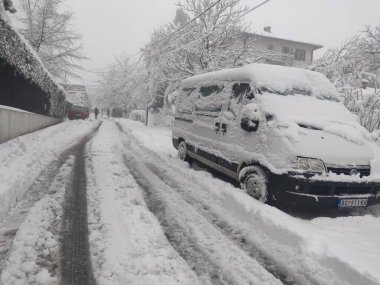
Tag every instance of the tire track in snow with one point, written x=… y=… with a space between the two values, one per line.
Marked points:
x=287 y=274
x=200 y=243
x=74 y=251
x=39 y=189
x=205 y=248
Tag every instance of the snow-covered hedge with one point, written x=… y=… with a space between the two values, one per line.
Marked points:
x=15 y=50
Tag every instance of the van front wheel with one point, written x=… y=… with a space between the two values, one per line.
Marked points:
x=254 y=181
x=182 y=151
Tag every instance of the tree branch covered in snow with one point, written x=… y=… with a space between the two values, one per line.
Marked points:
x=124 y=85
x=356 y=61
x=47 y=28
x=184 y=48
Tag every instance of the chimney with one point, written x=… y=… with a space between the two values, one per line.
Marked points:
x=364 y=83
x=268 y=29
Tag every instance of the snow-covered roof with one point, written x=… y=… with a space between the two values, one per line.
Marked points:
x=16 y=51
x=273 y=78
x=277 y=36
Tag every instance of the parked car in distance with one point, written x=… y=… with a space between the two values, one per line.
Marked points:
x=78 y=112
x=281 y=132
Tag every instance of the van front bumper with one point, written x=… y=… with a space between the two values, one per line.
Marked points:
x=299 y=191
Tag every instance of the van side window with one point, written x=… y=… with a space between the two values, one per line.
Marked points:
x=208 y=90
x=211 y=99
x=241 y=89
x=186 y=99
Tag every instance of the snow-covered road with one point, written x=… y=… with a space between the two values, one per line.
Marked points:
x=154 y=219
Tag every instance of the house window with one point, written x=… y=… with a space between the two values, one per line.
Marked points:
x=286 y=50
x=270 y=47
x=300 y=55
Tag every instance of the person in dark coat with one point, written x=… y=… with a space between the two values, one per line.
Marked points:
x=96 y=111
x=108 y=113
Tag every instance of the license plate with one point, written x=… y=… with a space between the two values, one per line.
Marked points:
x=348 y=203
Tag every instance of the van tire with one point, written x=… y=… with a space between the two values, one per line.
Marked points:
x=254 y=181
x=182 y=151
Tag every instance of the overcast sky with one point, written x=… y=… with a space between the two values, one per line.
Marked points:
x=113 y=27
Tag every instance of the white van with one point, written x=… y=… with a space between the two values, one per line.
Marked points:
x=281 y=132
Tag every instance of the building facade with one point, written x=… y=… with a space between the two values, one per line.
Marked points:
x=280 y=50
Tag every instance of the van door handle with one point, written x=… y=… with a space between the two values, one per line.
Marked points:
x=224 y=128
x=217 y=127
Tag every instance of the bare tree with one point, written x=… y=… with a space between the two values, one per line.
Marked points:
x=48 y=30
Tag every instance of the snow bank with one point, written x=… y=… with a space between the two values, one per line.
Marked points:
x=22 y=159
x=35 y=252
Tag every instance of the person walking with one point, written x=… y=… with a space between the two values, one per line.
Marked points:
x=108 y=113
x=96 y=111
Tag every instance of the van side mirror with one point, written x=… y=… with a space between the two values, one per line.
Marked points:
x=249 y=125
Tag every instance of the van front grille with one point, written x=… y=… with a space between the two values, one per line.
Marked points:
x=363 y=171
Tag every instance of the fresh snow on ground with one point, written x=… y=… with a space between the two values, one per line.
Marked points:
x=346 y=245
x=22 y=159
x=153 y=219
x=127 y=244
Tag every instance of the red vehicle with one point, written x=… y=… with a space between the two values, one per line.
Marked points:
x=78 y=112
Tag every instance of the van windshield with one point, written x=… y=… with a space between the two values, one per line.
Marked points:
x=306 y=110
x=298 y=92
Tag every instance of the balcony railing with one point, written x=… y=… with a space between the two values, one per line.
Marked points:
x=281 y=59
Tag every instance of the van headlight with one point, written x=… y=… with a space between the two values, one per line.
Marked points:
x=309 y=164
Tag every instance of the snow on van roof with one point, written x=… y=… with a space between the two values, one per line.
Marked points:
x=272 y=78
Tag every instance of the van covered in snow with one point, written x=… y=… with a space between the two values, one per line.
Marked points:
x=281 y=132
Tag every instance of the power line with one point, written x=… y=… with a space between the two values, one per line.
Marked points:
x=254 y=8
x=188 y=23
x=181 y=28
x=206 y=35
x=192 y=20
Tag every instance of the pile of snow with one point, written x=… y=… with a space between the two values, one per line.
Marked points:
x=274 y=78
x=22 y=159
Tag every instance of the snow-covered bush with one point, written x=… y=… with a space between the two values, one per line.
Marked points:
x=16 y=52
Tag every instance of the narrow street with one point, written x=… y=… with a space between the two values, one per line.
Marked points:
x=118 y=207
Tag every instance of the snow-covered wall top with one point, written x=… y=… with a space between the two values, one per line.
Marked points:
x=273 y=78
x=16 y=51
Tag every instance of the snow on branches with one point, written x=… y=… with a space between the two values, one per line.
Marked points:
x=124 y=85
x=47 y=27
x=184 y=48
x=357 y=61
